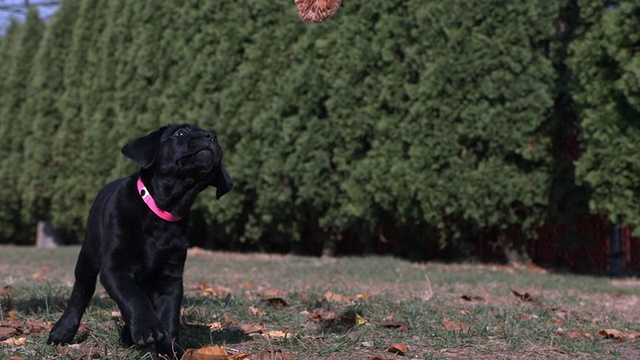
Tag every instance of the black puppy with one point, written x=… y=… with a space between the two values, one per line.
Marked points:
x=137 y=236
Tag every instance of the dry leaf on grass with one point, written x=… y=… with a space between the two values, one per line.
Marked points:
x=247 y=328
x=255 y=311
x=398 y=349
x=574 y=334
x=561 y=313
x=216 y=326
x=315 y=11
x=455 y=326
x=526 y=297
x=274 y=355
x=15 y=357
x=37 y=326
x=611 y=334
x=277 y=334
x=211 y=353
x=472 y=298
x=7 y=330
x=331 y=297
x=321 y=316
x=227 y=320
x=360 y=320
x=207 y=290
x=14 y=341
x=378 y=358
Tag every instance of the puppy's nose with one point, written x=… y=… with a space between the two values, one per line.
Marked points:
x=211 y=137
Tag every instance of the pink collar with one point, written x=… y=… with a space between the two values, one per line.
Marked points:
x=151 y=203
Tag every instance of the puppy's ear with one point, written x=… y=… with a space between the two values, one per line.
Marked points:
x=223 y=182
x=143 y=150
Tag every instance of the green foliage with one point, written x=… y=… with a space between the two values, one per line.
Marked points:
x=606 y=64
x=393 y=120
x=21 y=46
x=43 y=113
x=80 y=155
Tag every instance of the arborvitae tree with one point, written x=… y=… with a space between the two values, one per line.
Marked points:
x=18 y=74
x=474 y=144
x=211 y=37
x=74 y=148
x=42 y=111
x=136 y=73
x=606 y=64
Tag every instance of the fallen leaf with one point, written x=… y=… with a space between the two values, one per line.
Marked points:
x=378 y=358
x=360 y=320
x=634 y=336
x=526 y=297
x=331 y=297
x=277 y=334
x=398 y=349
x=37 y=326
x=247 y=328
x=7 y=330
x=611 y=334
x=274 y=293
x=219 y=292
x=255 y=311
x=14 y=357
x=315 y=11
x=13 y=316
x=574 y=334
x=211 y=353
x=227 y=320
x=215 y=326
x=322 y=316
x=561 y=313
x=14 y=341
x=472 y=298
x=455 y=326
x=274 y=355
x=4 y=292
x=38 y=277
x=400 y=325
x=557 y=321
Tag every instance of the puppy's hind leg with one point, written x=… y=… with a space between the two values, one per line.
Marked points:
x=86 y=273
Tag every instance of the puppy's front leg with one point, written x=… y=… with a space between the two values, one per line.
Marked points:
x=136 y=308
x=167 y=300
x=86 y=274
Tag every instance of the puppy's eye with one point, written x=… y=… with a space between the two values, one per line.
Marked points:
x=180 y=132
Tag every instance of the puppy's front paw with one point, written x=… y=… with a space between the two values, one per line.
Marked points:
x=147 y=332
x=62 y=333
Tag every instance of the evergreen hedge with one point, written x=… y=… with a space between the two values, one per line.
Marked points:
x=395 y=121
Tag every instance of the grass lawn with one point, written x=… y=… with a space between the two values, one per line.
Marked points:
x=293 y=307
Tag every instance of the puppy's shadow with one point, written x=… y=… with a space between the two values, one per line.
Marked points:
x=194 y=336
x=53 y=305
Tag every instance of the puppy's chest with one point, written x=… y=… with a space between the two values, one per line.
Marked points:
x=164 y=246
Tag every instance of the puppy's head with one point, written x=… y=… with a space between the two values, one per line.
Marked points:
x=181 y=152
